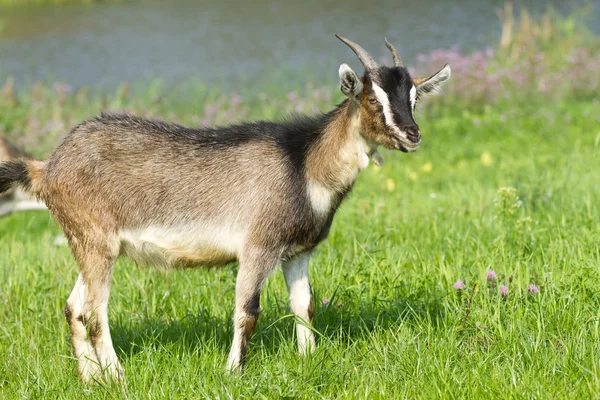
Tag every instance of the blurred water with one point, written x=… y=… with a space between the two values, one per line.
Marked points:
x=226 y=42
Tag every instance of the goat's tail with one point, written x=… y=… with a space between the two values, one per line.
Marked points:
x=26 y=173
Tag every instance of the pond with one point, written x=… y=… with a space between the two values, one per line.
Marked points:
x=226 y=43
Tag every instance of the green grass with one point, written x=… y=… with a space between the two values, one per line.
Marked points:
x=506 y=180
x=394 y=326
x=46 y=2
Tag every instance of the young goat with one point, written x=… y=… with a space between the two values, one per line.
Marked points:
x=259 y=193
x=16 y=199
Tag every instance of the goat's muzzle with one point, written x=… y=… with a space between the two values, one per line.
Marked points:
x=412 y=133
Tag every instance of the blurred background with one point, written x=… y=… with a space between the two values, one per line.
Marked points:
x=468 y=269
x=204 y=62
x=226 y=43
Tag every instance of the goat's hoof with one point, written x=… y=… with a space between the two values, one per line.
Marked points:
x=114 y=373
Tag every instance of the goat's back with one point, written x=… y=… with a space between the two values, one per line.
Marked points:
x=127 y=174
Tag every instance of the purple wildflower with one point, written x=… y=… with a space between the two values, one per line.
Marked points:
x=236 y=100
x=533 y=289
x=211 y=109
x=62 y=87
x=459 y=285
x=503 y=290
x=491 y=276
x=325 y=302
x=292 y=96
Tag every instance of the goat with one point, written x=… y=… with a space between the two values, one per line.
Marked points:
x=261 y=194
x=16 y=199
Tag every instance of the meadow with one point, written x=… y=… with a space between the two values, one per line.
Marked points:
x=45 y=2
x=469 y=269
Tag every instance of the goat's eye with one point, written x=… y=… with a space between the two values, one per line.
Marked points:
x=373 y=100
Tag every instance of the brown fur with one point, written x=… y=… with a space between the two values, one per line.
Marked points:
x=372 y=124
x=104 y=179
x=171 y=196
x=418 y=81
x=311 y=310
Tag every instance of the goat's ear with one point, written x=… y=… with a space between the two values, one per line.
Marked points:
x=350 y=83
x=432 y=85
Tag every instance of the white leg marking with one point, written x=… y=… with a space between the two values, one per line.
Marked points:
x=238 y=347
x=103 y=342
x=235 y=355
x=90 y=334
x=87 y=361
x=301 y=300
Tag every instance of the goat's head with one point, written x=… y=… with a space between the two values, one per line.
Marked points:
x=387 y=98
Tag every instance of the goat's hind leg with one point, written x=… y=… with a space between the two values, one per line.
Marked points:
x=87 y=361
x=87 y=315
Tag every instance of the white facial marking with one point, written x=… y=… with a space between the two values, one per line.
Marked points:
x=382 y=97
x=413 y=99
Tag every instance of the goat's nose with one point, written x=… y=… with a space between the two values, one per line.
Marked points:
x=413 y=133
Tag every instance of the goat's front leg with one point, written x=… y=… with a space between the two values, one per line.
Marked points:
x=301 y=300
x=255 y=266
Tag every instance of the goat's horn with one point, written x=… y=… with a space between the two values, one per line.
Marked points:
x=362 y=55
x=395 y=54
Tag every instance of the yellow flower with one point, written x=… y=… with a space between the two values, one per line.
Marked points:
x=364 y=205
x=390 y=185
x=427 y=167
x=412 y=175
x=486 y=159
